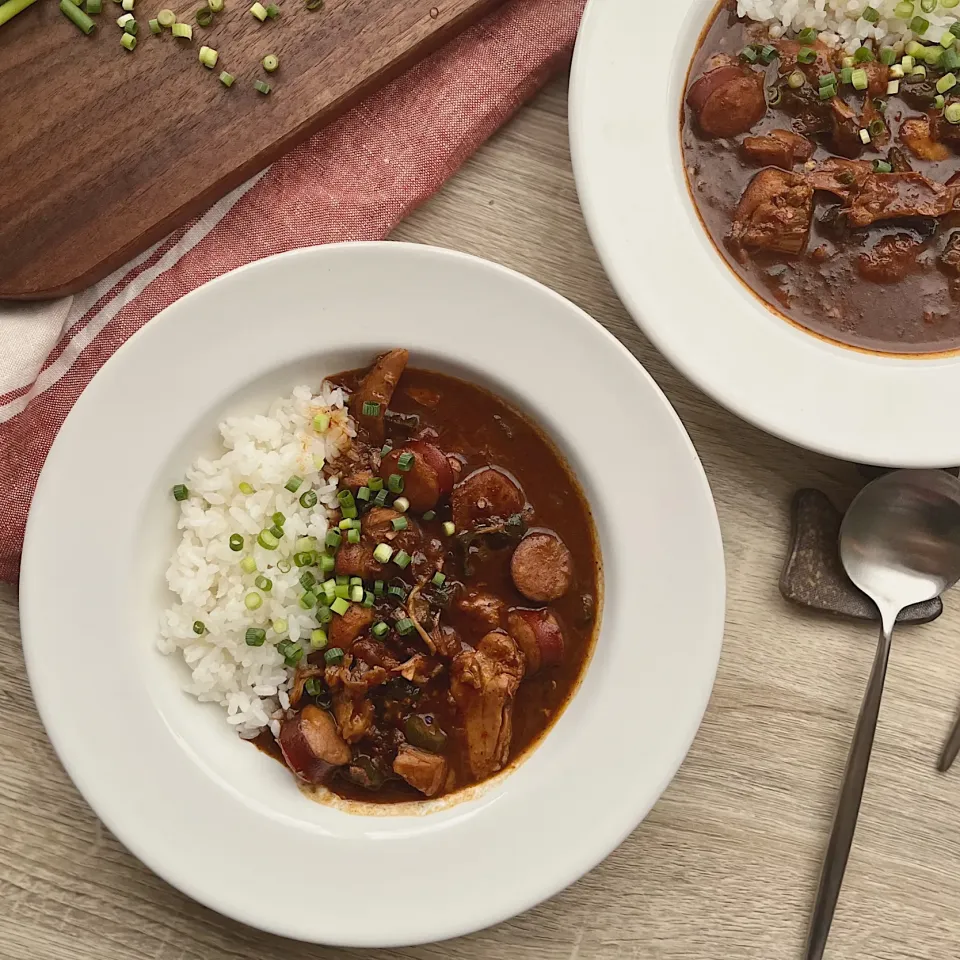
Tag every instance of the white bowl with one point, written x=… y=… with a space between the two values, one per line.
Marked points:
x=225 y=823
x=626 y=90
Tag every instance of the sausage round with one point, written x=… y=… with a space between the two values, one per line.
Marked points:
x=541 y=567
x=311 y=745
x=421 y=483
x=537 y=633
x=486 y=494
x=733 y=107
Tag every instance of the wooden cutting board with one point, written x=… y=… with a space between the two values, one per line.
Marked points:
x=103 y=152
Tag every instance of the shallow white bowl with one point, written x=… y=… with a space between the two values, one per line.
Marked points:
x=225 y=823
x=625 y=95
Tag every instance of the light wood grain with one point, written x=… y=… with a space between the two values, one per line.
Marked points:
x=724 y=868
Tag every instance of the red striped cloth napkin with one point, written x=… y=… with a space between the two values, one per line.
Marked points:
x=353 y=181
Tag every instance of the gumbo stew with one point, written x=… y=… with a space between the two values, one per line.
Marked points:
x=830 y=182
x=469 y=581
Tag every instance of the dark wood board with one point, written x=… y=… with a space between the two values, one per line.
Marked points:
x=104 y=152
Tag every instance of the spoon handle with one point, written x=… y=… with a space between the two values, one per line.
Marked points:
x=848 y=807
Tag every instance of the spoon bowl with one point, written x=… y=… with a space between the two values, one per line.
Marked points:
x=900 y=544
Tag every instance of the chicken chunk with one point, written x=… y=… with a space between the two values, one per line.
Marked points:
x=917 y=136
x=424 y=771
x=774 y=213
x=779 y=148
x=886 y=196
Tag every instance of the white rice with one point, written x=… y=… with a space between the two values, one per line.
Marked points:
x=840 y=24
x=250 y=683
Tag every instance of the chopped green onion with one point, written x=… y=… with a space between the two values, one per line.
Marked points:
x=327 y=563
x=429 y=515
x=329 y=586
x=280 y=625
x=236 y=542
x=768 y=54
x=748 y=54
x=380 y=499
x=947 y=39
x=342 y=590
x=947 y=82
x=253 y=601
x=888 y=56
x=350 y=513
x=827 y=93
x=438 y=579
x=368 y=598
x=261 y=87
x=919 y=25
x=323 y=611
x=796 y=80
x=264 y=583
x=864 y=136
x=907 y=63
x=321 y=421
x=124 y=19
x=933 y=55
x=370 y=407
x=363 y=494
x=356 y=594
x=279 y=519
x=127 y=5
x=333 y=539
x=950 y=61
x=405 y=461
x=914 y=48
x=404 y=626
x=877 y=128
x=318 y=639
x=860 y=80
x=340 y=606
x=386 y=448
x=248 y=565
x=204 y=17
x=294 y=656
x=399 y=523
x=952 y=113
x=260 y=12
x=807 y=35
x=93 y=6
x=308 y=499
x=893 y=88
x=949 y=4
x=345 y=499
x=352 y=581
x=449 y=529
x=155 y=26
x=383 y=552
x=928 y=6
x=128 y=40
x=315 y=4
x=903 y=11
x=307 y=580
x=395 y=483
x=896 y=71
x=881 y=166
x=846 y=75
x=828 y=80
x=806 y=55
x=283 y=566
x=872 y=15
x=304 y=559
x=215 y=5
x=182 y=30
x=273 y=11
x=255 y=636
x=353 y=536
x=268 y=540
x=305 y=543
x=308 y=600
x=401 y=504
x=10 y=8
x=378 y=587
x=245 y=488
x=379 y=629
x=955 y=28
x=277 y=531
x=313 y=687
x=402 y=559
x=848 y=62
x=199 y=628
x=397 y=590
x=938 y=102
x=918 y=71
x=293 y=484
x=375 y=484
x=180 y=492
x=863 y=55
x=167 y=18
x=333 y=656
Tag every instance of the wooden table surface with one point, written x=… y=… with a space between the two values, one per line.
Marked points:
x=725 y=866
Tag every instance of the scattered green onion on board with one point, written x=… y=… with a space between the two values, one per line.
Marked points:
x=259 y=11
x=273 y=11
x=84 y=23
x=209 y=57
x=124 y=19
x=167 y=18
x=227 y=79
x=315 y=4
x=131 y=27
x=155 y=27
x=127 y=5
x=11 y=8
x=204 y=17
x=93 y=7
x=270 y=63
x=184 y=32
x=216 y=5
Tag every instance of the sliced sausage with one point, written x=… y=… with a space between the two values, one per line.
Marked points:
x=483 y=608
x=734 y=106
x=311 y=746
x=709 y=83
x=426 y=772
x=486 y=495
x=541 y=567
x=421 y=483
x=377 y=387
x=537 y=633
x=438 y=460
x=344 y=630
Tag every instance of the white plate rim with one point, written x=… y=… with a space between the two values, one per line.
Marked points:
x=884 y=410
x=33 y=617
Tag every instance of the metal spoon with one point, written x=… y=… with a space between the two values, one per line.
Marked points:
x=900 y=544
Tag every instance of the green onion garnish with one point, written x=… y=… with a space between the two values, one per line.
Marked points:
x=353 y=581
x=333 y=539
x=307 y=580
x=329 y=588
x=806 y=55
x=748 y=54
x=399 y=523
x=353 y=536
x=248 y=565
x=327 y=563
x=356 y=594
x=340 y=606
x=363 y=494
x=872 y=15
x=828 y=80
x=227 y=79
x=321 y=421
x=368 y=598
x=947 y=82
x=375 y=484
x=404 y=626
x=131 y=27
x=860 y=80
x=323 y=611
x=279 y=519
x=268 y=540
x=402 y=559
x=209 y=57
x=128 y=41
x=952 y=112
x=182 y=30
x=438 y=579
x=370 y=407
x=308 y=499
x=273 y=11
x=397 y=590
x=180 y=492
x=345 y=499
x=888 y=56
x=919 y=25
x=334 y=655
x=386 y=448
x=863 y=55
x=293 y=484
x=846 y=75
x=245 y=488
x=378 y=587
x=955 y=28
x=313 y=687
x=264 y=583
x=449 y=529
x=431 y=514
x=405 y=461
x=904 y=10
x=380 y=499
x=342 y=590
x=308 y=600
x=236 y=542
x=318 y=639
x=255 y=636
x=395 y=483
x=280 y=625
x=938 y=102
x=155 y=26
x=253 y=601
x=204 y=17
x=796 y=80
x=167 y=18
x=379 y=629
x=933 y=55
x=877 y=128
x=283 y=566
x=881 y=166
x=827 y=92
x=768 y=54
x=383 y=552
x=294 y=656
x=198 y=628
x=401 y=504
x=928 y=6
x=304 y=559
